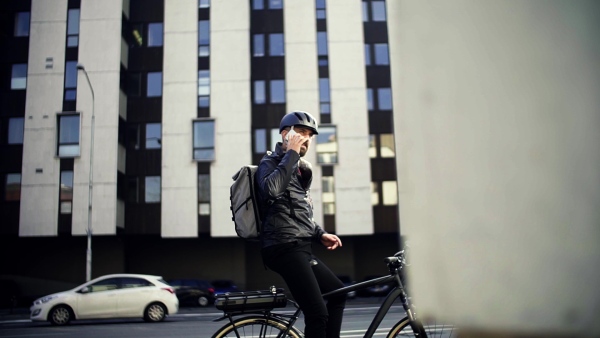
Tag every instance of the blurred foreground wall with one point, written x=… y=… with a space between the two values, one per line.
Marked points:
x=498 y=130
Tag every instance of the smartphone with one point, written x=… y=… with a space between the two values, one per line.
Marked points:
x=290 y=134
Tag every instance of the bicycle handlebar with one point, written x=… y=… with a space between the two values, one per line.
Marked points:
x=397 y=260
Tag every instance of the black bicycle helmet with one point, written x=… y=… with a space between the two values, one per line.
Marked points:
x=299 y=118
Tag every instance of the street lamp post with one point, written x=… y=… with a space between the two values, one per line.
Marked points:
x=88 y=265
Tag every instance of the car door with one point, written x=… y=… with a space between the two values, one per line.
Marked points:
x=134 y=295
x=98 y=300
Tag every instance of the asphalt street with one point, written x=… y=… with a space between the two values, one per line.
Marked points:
x=22 y=314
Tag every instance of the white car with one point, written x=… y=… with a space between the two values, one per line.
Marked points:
x=111 y=296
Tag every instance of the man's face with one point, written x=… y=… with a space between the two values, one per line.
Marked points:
x=302 y=131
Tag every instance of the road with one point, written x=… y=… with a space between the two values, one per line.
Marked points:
x=198 y=323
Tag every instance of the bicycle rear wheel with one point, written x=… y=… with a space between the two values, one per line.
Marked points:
x=257 y=327
x=429 y=329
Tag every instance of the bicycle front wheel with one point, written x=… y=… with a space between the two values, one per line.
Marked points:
x=429 y=329
x=257 y=327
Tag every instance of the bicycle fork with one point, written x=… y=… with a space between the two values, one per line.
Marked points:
x=397 y=292
x=412 y=317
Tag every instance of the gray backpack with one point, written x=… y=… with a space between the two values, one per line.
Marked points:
x=244 y=203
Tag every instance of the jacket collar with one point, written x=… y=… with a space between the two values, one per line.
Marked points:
x=279 y=150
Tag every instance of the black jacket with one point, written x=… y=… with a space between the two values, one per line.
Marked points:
x=286 y=206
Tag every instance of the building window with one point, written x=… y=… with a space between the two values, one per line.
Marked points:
x=258 y=45
x=374 y=193
x=16 y=130
x=390 y=192
x=134 y=34
x=367 y=55
x=258 y=4
x=327 y=147
x=66 y=192
x=322 y=43
x=12 y=188
x=22 y=24
x=19 y=76
x=384 y=98
x=152 y=189
x=275 y=4
x=203 y=3
x=324 y=100
x=259 y=92
x=275 y=137
x=276 y=45
x=378 y=10
x=203 y=38
x=277 y=91
x=321 y=14
x=68 y=135
x=154 y=84
x=328 y=195
x=153 y=135
x=372 y=146
x=73 y=28
x=204 y=195
x=204 y=140
x=370 y=105
x=387 y=147
x=155 y=34
x=381 y=54
x=204 y=88
x=365 y=11
x=70 y=80
x=260 y=141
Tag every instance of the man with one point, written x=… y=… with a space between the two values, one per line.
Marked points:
x=288 y=230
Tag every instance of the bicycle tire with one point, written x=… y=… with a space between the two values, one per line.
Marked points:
x=429 y=329
x=251 y=326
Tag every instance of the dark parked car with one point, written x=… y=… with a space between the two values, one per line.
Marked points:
x=377 y=290
x=224 y=286
x=196 y=292
x=347 y=282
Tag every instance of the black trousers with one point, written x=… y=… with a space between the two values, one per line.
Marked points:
x=307 y=281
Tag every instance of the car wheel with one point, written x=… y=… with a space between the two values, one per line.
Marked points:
x=155 y=312
x=203 y=301
x=60 y=315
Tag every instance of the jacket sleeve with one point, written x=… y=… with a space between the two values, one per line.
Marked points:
x=273 y=178
x=318 y=233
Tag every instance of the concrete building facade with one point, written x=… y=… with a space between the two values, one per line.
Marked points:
x=182 y=94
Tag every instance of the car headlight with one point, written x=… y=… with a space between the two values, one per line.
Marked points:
x=44 y=300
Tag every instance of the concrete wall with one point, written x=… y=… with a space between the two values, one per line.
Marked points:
x=497 y=131
x=100 y=34
x=229 y=104
x=354 y=213
x=302 y=78
x=179 y=173
x=39 y=191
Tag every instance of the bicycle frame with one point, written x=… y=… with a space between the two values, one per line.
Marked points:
x=396 y=292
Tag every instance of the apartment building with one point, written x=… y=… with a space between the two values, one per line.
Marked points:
x=127 y=118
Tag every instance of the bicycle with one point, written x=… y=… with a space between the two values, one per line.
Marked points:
x=254 y=317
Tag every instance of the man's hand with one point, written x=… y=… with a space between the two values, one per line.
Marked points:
x=331 y=241
x=296 y=142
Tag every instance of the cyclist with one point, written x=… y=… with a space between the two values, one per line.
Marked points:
x=288 y=231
